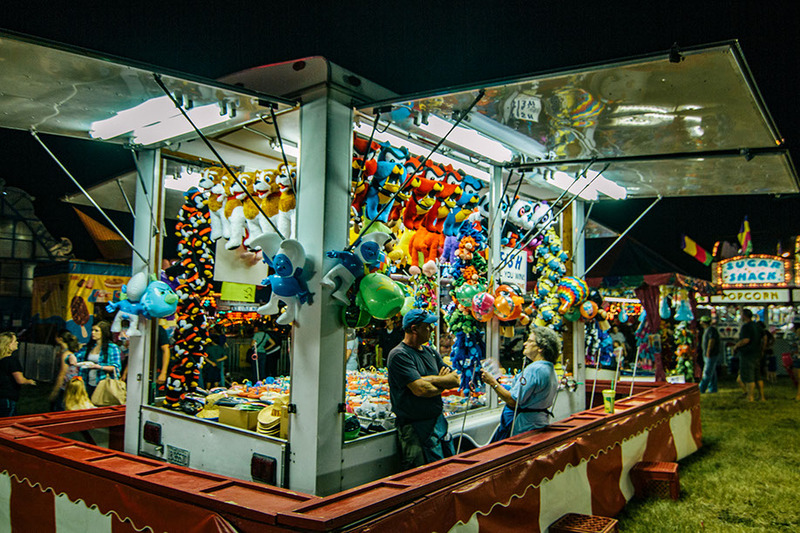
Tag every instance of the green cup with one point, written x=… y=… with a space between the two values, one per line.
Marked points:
x=608 y=400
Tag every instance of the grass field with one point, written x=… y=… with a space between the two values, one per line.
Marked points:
x=746 y=477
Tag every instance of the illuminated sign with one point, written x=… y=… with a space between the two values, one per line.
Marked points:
x=754 y=271
x=750 y=296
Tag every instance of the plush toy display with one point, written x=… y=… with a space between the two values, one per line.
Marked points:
x=211 y=183
x=155 y=299
x=287 y=181
x=367 y=253
x=287 y=259
x=192 y=276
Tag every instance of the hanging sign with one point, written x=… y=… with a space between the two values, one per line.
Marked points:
x=748 y=296
x=526 y=107
x=238 y=292
x=754 y=270
x=516 y=271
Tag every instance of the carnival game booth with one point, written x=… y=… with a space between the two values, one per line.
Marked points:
x=65 y=294
x=630 y=128
x=665 y=332
x=765 y=284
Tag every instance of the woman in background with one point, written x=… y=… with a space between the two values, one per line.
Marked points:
x=100 y=356
x=11 y=377
x=69 y=369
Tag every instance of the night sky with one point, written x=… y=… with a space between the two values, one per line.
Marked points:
x=416 y=46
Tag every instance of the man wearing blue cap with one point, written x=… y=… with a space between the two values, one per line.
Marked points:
x=417 y=378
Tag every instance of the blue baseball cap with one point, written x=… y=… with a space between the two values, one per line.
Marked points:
x=418 y=316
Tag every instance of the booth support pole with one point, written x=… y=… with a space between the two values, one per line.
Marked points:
x=579 y=331
x=493 y=326
x=149 y=208
x=318 y=362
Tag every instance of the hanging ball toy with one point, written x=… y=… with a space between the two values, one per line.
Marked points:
x=483 y=306
x=589 y=309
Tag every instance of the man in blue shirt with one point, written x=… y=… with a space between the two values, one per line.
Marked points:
x=417 y=378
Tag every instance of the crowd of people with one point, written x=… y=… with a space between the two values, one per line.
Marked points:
x=754 y=360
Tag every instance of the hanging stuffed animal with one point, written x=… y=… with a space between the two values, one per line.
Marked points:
x=368 y=252
x=287 y=180
x=211 y=183
x=389 y=176
x=155 y=299
x=663 y=308
x=249 y=206
x=234 y=212
x=287 y=259
x=362 y=171
x=269 y=194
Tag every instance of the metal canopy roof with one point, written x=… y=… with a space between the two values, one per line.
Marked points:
x=63 y=91
x=686 y=123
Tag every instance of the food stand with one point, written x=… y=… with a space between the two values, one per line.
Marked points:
x=215 y=476
x=764 y=283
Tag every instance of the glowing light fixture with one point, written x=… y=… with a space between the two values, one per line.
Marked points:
x=158 y=119
x=469 y=139
x=126 y=121
x=606 y=186
x=203 y=117
x=396 y=141
x=564 y=181
x=185 y=180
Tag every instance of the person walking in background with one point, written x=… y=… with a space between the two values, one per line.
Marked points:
x=769 y=365
x=68 y=343
x=711 y=348
x=214 y=366
x=351 y=350
x=101 y=357
x=618 y=336
x=11 y=376
x=749 y=349
x=265 y=347
x=390 y=336
x=791 y=358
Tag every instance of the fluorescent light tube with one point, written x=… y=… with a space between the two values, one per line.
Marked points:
x=606 y=186
x=186 y=180
x=564 y=181
x=508 y=136
x=469 y=139
x=203 y=117
x=396 y=141
x=291 y=151
x=143 y=114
